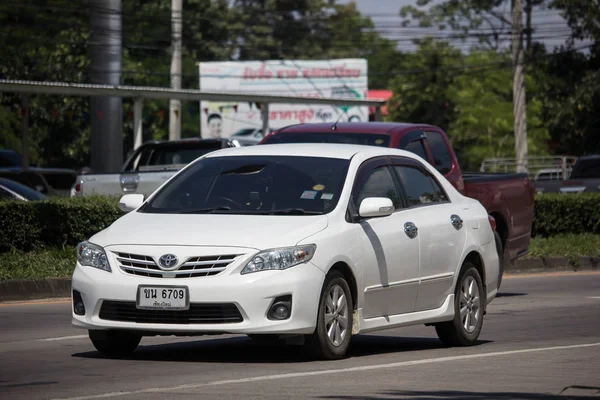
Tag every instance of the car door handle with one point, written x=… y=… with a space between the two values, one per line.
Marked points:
x=411 y=230
x=456 y=221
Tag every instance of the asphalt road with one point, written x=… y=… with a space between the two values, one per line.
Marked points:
x=540 y=340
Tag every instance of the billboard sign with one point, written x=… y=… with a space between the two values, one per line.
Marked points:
x=308 y=78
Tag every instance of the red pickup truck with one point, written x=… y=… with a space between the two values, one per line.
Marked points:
x=508 y=198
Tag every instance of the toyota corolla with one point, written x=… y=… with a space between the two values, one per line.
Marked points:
x=309 y=242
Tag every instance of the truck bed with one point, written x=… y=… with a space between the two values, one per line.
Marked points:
x=509 y=198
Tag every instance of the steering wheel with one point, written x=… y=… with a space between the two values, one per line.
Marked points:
x=232 y=202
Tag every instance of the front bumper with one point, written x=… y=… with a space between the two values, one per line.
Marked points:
x=252 y=294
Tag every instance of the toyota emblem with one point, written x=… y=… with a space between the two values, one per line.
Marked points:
x=167 y=261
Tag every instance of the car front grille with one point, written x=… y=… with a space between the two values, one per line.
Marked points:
x=198 y=313
x=193 y=267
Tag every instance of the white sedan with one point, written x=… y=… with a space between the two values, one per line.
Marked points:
x=312 y=243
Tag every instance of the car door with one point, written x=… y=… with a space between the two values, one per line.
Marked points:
x=440 y=228
x=391 y=258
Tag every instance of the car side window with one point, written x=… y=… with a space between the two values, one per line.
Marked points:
x=379 y=183
x=419 y=186
x=439 y=150
x=417 y=148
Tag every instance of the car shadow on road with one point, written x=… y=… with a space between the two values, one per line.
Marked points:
x=243 y=350
x=462 y=395
x=506 y=294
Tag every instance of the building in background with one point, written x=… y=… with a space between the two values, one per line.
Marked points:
x=313 y=78
x=378 y=94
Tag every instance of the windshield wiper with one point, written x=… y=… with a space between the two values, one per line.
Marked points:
x=204 y=210
x=294 y=211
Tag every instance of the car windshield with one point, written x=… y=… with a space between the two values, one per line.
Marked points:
x=367 y=139
x=244 y=132
x=269 y=185
x=587 y=169
x=9 y=159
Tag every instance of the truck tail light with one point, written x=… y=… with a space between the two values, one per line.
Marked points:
x=78 y=187
x=492 y=223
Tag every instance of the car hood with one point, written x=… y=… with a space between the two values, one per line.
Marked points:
x=223 y=230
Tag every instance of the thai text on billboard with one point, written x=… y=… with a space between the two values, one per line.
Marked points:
x=313 y=78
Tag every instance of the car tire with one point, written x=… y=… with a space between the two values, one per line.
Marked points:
x=333 y=332
x=503 y=257
x=114 y=344
x=469 y=303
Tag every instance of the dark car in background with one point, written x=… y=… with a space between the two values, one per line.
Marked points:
x=53 y=181
x=11 y=190
x=584 y=178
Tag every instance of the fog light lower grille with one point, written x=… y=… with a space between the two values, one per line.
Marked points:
x=78 y=306
x=281 y=309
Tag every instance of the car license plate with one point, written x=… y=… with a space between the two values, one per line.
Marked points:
x=163 y=298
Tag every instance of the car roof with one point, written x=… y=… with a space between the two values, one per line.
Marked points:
x=590 y=157
x=353 y=127
x=324 y=150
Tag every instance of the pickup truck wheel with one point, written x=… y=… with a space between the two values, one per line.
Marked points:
x=469 y=297
x=331 y=338
x=114 y=344
x=503 y=257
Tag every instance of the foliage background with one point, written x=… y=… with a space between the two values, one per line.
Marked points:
x=460 y=82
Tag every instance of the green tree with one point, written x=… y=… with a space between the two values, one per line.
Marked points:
x=421 y=87
x=482 y=126
x=485 y=21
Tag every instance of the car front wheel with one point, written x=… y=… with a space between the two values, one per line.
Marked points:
x=331 y=338
x=469 y=299
x=114 y=344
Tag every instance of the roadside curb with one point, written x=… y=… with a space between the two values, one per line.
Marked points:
x=15 y=290
x=19 y=290
x=555 y=264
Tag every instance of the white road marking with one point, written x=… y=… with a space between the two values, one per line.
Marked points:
x=54 y=339
x=328 y=371
x=594 y=297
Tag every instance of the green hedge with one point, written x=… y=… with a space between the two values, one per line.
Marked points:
x=63 y=222
x=566 y=214
x=54 y=223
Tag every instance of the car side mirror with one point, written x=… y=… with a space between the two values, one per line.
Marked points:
x=130 y=202
x=376 y=207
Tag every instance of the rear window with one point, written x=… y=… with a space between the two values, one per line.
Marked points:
x=178 y=156
x=587 y=169
x=9 y=159
x=367 y=139
x=152 y=157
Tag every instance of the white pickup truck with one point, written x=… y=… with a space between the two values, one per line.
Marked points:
x=148 y=167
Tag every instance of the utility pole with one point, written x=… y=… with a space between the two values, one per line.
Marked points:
x=175 y=105
x=106 y=144
x=519 y=97
x=528 y=29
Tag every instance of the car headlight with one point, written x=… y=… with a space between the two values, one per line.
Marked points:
x=278 y=259
x=91 y=255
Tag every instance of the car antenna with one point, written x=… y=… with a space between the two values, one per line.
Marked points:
x=334 y=126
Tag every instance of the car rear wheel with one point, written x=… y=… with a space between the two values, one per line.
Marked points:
x=331 y=338
x=114 y=344
x=469 y=299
